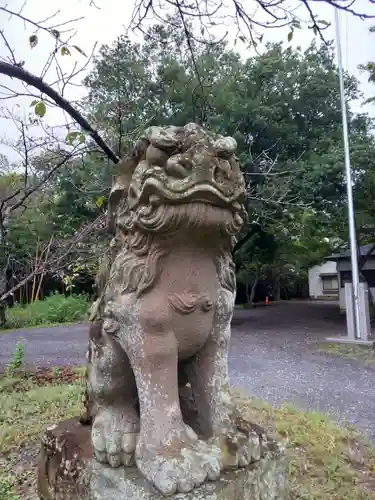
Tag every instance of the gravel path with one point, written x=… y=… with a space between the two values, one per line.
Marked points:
x=273 y=356
x=55 y=346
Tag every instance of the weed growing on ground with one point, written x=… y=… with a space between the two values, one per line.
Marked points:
x=6 y=488
x=17 y=359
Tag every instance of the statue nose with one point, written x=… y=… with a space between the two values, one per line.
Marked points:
x=177 y=167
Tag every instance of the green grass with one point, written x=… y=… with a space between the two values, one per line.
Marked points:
x=23 y=419
x=325 y=461
x=6 y=488
x=363 y=353
x=54 y=310
x=29 y=409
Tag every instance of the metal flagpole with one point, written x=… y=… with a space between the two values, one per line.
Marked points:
x=352 y=235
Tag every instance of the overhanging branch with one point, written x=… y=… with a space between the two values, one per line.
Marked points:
x=19 y=73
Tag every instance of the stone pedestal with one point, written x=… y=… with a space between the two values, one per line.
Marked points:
x=67 y=471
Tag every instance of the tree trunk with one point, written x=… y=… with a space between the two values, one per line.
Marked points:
x=276 y=289
x=247 y=291
x=254 y=286
x=3 y=318
x=4 y=214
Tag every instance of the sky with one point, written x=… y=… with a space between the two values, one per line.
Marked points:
x=102 y=25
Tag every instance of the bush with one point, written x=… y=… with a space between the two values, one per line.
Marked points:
x=53 y=310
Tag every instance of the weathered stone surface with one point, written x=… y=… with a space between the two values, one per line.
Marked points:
x=160 y=330
x=67 y=471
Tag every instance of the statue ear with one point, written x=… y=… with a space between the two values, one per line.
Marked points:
x=122 y=179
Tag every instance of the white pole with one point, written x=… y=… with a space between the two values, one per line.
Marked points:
x=352 y=235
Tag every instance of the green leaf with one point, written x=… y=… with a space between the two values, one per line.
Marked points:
x=34 y=102
x=315 y=30
x=40 y=109
x=79 y=50
x=33 y=40
x=323 y=23
x=65 y=51
x=100 y=201
x=75 y=136
x=55 y=33
x=290 y=36
x=242 y=38
x=71 y=137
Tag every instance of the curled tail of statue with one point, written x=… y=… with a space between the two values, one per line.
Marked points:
x=87 y=415
x=96 y=324
x=96 y=311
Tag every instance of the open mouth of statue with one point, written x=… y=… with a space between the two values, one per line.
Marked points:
x=155 y=193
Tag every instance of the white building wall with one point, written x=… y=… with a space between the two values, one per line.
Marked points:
x=345 y=265
x=315 y=280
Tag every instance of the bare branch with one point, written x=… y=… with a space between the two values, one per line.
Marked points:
x=211 y=13
x=11 y=51
x=30 y=191
x=62 y=254
x=39 y=25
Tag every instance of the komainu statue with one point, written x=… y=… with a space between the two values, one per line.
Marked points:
x=161 y=326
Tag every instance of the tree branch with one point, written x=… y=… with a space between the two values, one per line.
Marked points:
x=240 y=243
x=32 y=190
x=279 y=13
x=65 y=251
x=30 y=79
x=39 y=25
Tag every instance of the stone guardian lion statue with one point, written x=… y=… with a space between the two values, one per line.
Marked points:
x=162 y=323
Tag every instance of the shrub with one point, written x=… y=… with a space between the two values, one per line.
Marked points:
x=54 y=309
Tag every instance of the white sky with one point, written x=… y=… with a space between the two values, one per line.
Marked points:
x=105 y=24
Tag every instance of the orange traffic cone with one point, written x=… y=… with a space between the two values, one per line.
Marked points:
x=266 y=300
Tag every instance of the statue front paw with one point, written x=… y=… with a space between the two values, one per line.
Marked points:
x=114 y=435
x=179 y=469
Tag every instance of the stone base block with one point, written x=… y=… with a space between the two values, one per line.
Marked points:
x=67 y=471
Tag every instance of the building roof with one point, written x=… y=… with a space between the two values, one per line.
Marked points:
x=364 y=250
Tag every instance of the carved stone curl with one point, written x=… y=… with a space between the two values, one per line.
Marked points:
x=161 y=327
